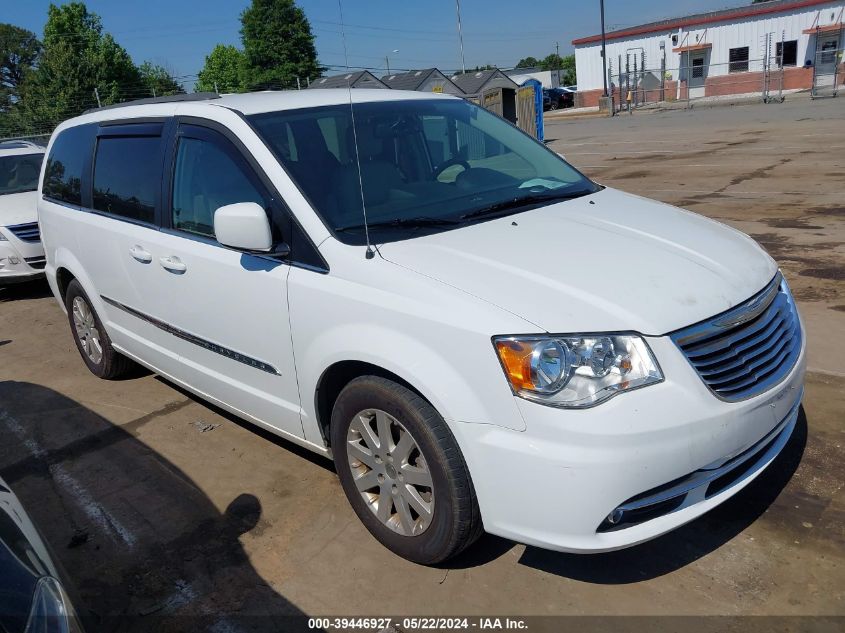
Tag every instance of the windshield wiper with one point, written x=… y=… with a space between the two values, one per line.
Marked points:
x=524 y=201
x=414 y=223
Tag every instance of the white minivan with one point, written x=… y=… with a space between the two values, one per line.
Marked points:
x=482 y=338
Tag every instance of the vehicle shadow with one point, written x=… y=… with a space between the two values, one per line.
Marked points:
x=296 y=449
x=689 y=542
x=142 y=546
x=38 y=289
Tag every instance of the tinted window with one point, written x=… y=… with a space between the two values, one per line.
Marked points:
x=207 y=177
x=19 y=173
x=63 y=174
x=127 y=176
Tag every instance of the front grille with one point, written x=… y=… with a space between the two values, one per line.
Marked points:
x=748 y=349
x=28 y=232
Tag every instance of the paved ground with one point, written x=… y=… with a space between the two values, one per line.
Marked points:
x=157 y=504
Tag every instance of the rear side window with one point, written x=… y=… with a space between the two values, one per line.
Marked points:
x=63 y=174
x=127 y=177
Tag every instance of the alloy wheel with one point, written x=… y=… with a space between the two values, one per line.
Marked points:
x=86 y=330
x=390 y=472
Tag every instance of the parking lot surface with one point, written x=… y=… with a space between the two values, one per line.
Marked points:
x=159 y=505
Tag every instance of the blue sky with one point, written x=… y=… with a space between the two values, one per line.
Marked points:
x=179 y=33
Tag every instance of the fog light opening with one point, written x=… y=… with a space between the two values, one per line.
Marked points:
x=615 y=517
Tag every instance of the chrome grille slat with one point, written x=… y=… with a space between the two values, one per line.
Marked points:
x=750 y=367
x=747 y=331
x=736 y=351
x=28 y=232
x=750 y=381
x=733 y=361
x=748 y=349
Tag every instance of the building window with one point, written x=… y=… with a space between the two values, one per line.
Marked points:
x=698 y=68
x=787 y=53
x=738 y=58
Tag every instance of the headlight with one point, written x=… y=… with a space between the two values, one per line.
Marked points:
x=51 y=610
x=576 y=370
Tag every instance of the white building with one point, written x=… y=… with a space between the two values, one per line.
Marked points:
x=718 y=53
x=548 y=78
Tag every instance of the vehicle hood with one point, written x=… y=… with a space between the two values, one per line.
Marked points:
x=18 y=208
x=607 y=261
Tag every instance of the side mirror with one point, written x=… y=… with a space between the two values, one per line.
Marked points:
x=243 y=225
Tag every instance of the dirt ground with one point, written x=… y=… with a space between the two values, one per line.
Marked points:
x=169 y=515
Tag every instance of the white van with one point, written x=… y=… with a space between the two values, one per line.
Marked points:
x=481 y=337
x=21 y=254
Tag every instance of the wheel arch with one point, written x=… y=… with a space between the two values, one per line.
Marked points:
x=63 y=279
x=335 y=377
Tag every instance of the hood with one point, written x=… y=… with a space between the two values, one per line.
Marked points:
x=18 y=208
x=608 y=261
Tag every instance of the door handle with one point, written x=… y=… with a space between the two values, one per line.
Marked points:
x=140 y=254
x=173 y=264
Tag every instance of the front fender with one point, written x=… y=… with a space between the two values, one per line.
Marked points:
x=455 y=396
x=445 y=354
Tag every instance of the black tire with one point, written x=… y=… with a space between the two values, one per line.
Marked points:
x=553 y=105
x=456 y=520
x=112 y=365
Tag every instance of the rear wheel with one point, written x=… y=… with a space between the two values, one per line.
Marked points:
x=553 y=105
x=402 y=471
x=90 y=336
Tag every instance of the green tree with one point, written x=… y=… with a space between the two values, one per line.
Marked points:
x=528 y=62
x=566 y=66
x=79 y=63
x=223 y=70
x=158 y=80
x=19 y=52
x=278 y=45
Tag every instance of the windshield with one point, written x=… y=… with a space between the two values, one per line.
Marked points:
x=19 y=173
x=426 y=166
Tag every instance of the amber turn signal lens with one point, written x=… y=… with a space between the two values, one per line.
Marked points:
x=516 y=359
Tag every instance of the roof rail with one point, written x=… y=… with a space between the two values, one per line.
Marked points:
x=19 y=144
x=193 y=96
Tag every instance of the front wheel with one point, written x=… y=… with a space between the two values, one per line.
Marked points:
x=402 y=471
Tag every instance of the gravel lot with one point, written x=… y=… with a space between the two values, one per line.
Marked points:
x=159 y=505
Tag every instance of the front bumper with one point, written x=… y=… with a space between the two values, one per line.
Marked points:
x=20 y=261
x=554 y=485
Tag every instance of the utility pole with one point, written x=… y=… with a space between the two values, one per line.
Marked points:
x=387 y=60
x=603 y=50
x=460 y=36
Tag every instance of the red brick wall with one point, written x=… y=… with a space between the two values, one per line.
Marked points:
x=797 y=78
x=733 y=84
x=588 y=98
